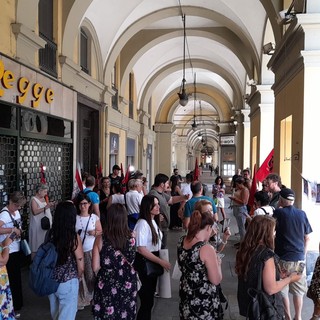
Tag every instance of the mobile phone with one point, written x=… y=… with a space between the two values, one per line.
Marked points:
x=220 y=255
x=226 y=223
x=12 y=236
x=300 y=267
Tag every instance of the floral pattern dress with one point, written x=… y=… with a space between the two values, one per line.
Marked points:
x=199 y=298
x=6 y=304
x=115 y=293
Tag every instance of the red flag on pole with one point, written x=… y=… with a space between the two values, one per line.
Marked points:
x=43 y=180
x=196 y=172
x=42 y=175
x=253 y=189
x=266 y=167
x=77 y=184
x=125 y=180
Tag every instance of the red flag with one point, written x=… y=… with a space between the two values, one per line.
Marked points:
x=98 y=174
x=43 y=180
x=77 y=185
x=266 y=167
x=253 y=189
x=42 y=175
x=125 y=180
x=196 y=172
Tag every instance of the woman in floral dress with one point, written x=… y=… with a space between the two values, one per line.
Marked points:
x=201 y=270
x=115 y=292
x=6 y=305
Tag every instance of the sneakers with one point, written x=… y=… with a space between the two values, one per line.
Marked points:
x=17 y=315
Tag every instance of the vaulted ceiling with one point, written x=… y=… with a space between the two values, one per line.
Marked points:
x=223 y=53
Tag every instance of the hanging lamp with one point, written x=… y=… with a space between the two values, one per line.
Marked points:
x=183 y=96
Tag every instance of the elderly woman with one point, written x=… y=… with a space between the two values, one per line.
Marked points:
x=39 y=208
x=10 y=222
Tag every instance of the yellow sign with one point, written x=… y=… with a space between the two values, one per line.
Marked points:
x=24 y=86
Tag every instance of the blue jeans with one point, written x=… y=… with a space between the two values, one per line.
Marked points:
x=64 y=302
x=238 y=212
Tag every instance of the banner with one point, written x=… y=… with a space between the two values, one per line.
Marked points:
x=196 y=172
x=266 y=167
x=253 y=189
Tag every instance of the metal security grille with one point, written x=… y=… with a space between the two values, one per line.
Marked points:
x=8 y=167
x=56 y=157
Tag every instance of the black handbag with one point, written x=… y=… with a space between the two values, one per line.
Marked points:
x=153 y=269
x=45 y=223
x=261 y=308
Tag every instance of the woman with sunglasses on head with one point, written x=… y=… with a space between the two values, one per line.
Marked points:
x=10 y=222
x=115 y=293
x=148 y=240
x=201 y=270
x=88 y=226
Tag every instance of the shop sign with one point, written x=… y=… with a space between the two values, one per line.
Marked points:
x=24 y=86
x=227 y=140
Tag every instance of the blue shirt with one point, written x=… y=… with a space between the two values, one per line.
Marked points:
x=93 y=196
x=291 y=229
x=189 y=207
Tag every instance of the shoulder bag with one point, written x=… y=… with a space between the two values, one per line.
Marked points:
x=24 y=245
x=261 y=307
x=45 y=222
x=314 y=290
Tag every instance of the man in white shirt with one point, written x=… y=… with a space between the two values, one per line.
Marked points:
x=133 y=200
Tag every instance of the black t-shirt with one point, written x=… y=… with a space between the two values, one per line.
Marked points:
x=113 y=181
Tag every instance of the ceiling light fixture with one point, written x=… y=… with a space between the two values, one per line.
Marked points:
x=194 y=124
x=183 y=97
x=268 y=48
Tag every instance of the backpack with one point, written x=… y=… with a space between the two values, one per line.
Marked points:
x=41 y=270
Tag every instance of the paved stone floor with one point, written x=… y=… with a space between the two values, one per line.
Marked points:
x=164 y=309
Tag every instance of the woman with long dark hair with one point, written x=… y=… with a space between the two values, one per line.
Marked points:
x=218 y=192
x=200 y=270
x=70 y=265
x=175 y=221
x=148 y=238
x=115 y=290
x=255 y=250
x=88 y=226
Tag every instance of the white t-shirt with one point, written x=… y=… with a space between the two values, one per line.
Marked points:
x=133 y=201
x=7 y=223
x=260 y=212
x=144 y=235
x=81 y=224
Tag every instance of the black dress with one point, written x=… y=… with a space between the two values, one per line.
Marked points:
x=115 y=292
x=261 y=255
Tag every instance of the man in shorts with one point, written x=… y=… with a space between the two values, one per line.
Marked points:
x=292 y=237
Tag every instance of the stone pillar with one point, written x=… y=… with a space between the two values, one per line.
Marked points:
x=163 y=152
x=246 y=143
x=266 y=106
x=181 y=155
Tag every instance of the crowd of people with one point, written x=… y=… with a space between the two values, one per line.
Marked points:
x=108 y=242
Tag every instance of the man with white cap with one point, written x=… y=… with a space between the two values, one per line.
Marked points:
x=292 y=237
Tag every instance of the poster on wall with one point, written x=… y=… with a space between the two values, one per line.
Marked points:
x=318 y=193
